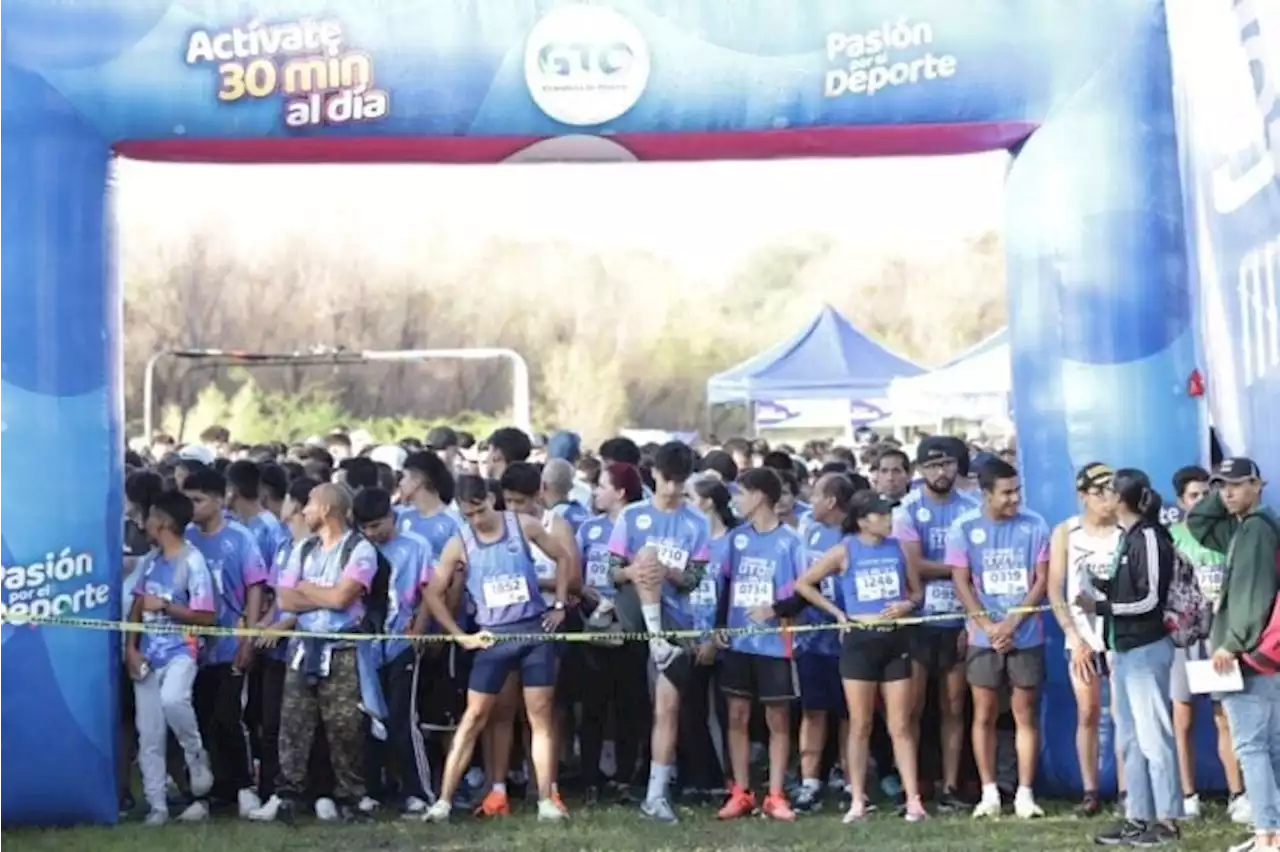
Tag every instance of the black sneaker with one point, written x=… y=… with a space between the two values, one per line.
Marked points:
x=127 y=804
x=806 y=800
x=354 y=815
x=591 y=796
x=1090 y=806
x=948 y=802
x=287 y=812
x=1157 y=834
x=1120 y=834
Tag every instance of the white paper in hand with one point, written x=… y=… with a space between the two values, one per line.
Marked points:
x=1202 y=679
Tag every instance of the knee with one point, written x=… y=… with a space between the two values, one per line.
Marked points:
x=985 y=714
x=777 y=718
x=860 y=728
x=739 y=713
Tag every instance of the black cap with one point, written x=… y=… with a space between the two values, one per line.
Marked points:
x=870 y=503
x=1094 y=475
x=442 y=438
x=1236 y=470
x=935 y=449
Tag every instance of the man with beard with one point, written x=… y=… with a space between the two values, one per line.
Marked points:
x=921 y=523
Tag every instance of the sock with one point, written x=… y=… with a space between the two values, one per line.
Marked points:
x=990 y=793
x=500 y=789
x=1024 y=795
x=659 y=775
x=813 y=785
x=652 y=617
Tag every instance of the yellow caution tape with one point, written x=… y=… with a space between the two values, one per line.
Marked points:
x=578 y=636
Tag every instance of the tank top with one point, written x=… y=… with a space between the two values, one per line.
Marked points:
x=502 y=579
x=1088 y=556
x=543 y=564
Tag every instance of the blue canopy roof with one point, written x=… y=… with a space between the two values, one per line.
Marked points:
x=828 y=359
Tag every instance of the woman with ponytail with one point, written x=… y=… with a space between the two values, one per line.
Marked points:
x=1132 y=604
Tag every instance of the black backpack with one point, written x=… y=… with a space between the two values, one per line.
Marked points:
x=377 y=600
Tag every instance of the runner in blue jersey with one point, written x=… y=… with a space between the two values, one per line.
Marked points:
x=425 y=492
x=412 y=561
x=659 y=551
x=557 y=485
x=492 y=553
x=244 y=499
x=875 y=584
x=613 y=673
x=239 y=575
x=1000 y=557
x=765 y=557
x=818 y=653
x=921 y=523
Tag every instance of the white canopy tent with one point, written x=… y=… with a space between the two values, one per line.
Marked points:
x=974 y=386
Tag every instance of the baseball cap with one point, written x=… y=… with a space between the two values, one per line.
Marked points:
x=870 y=503
x=935 y=449
x=1094 y=475
x=564 y=445
x=197 y=453
x=1236 y=470
x=442 y=438
x=392 y=455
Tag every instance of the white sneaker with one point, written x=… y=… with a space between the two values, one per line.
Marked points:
x=1191 y=806
x=1248 y=846
x=195 y=812
x=439 y=812
x=327 y=810
x=414 y=808
x=549 y=811
x=201 y=777
x=1240 y=810
x=156 y=817
x=663 y=652
x=267 y=811
x=1025 y=807
x=247 y=802
x=368 y=805
x=987 y=808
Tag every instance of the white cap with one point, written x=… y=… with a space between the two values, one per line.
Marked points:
x=392 y=455
x=197 y=453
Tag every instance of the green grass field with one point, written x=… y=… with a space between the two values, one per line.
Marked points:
x=609 y=829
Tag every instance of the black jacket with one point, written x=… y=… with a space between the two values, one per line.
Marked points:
x=1136 y=592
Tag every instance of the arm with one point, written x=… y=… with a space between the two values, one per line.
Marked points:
x=808 y=583
x=198 y=609
x=356 y=579
x=436 y=598
x=557 y=544
x=906 y=533
x=288 y=598
x=1211 y=524
x=135 y=617
x=1036 y=588
x=1250 y=591
x=915 y=583
x=1144 y=563
x=1058 y=585
x=687 y=580
x=962 y=576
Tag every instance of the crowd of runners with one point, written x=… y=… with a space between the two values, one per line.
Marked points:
x=484 y=621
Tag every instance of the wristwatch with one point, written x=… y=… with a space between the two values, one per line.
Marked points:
x=558 y=606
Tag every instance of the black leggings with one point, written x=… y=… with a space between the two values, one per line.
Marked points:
x=703 y=716
x=617 y=678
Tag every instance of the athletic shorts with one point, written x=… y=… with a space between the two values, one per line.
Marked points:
x=442 y=686
x=1021 y=667
x=820 y=688
x=1179 y=687
x=876 y=656
x=535 y=661
x=935 y=648
x=769 y=680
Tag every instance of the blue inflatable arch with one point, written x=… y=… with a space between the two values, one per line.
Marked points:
x=1100 y=299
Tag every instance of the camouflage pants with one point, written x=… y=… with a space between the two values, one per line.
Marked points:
x=334 y=700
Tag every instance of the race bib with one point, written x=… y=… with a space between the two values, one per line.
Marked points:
x=705 y=594
x=748 y=593
x=1005 y=582
x=598 y=574
x=1209 y=578
x=940 y=598
x=673 y=557
x=505 y=591
x=878 y=584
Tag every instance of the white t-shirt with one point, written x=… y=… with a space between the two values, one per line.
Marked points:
x=1088 y=556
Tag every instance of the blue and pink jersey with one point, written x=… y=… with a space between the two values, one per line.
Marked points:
x=326 y=568
x=269 y=533
x=235 y=564
x=818 y=539
x=412 y=564
x=762 y=570
x=593 y=545
x=182 y=579
x=681 y=538
x=923 y=520
x=437 y=529
x=875 y=576
x=502 y=579
x=1003 y=557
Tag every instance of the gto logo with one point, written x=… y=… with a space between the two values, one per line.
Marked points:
x=565 y=60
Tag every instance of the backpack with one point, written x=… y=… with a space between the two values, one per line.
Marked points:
x=377 y=601
x=1265 y=658
x=1187 y=612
